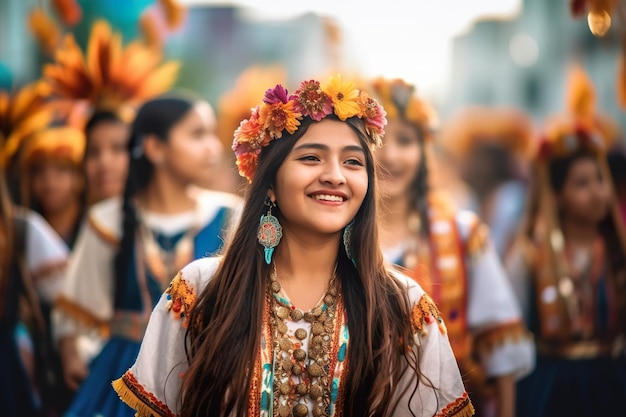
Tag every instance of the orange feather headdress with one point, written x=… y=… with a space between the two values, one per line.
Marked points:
x=108 y=75
x=581 y=126
x=22 y=114
x=400 y=101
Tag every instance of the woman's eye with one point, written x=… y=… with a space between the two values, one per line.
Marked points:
x=354 y=161
x=405 y=141
x=308 y=158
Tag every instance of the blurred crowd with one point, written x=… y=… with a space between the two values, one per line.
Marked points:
x=112 y=180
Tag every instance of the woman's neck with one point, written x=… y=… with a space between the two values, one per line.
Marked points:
x=304 y=268
x=64 y=221
x=393 y=221
x=164 y=195
x=578 y=232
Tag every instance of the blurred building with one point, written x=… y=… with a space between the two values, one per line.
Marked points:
x=523 y=62
x=217 y=43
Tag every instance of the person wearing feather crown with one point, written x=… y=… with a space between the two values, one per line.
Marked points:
x=161 y=219
x=449 y=251
x=569 y=268
x=32 y=265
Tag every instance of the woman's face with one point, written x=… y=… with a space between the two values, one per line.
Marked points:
x=106 y=160
x=322 y=183
x=54 y=185
x=585 y=195
x=193 y=151
x=399 y=158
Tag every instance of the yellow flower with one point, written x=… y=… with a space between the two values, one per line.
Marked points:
x=345 y=97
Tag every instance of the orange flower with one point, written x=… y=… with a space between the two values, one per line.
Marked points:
x=45 y=30
x=278 y=117
x=246 y=163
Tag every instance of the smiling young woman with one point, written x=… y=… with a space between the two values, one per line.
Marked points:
x=300 y=316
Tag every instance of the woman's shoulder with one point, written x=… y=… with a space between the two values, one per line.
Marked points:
x=105 y=218
x=187 y=285
x=412 y=288
x=198 y=273
x=211 y=203
x=424 y=311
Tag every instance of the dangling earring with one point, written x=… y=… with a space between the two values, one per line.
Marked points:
x=347 y=241
x=270 y=231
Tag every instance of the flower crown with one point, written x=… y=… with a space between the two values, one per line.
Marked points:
x=282 y=112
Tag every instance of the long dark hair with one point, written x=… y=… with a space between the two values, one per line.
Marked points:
x=6 y=230
x=400 y=96
x=223 y=343
x=559 y=170
x=155 y=117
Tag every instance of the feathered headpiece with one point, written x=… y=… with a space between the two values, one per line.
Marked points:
x=108 y=76
x=60 y=143
x=22 y=114
x=400 y=101
x=581 y=126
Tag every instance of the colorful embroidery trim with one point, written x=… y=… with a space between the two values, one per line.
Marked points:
x=426 y=312
x=490 y=338
x=461 y=407
x=133 y=394
x=181 y=298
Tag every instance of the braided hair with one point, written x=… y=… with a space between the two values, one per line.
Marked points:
x=156 y=117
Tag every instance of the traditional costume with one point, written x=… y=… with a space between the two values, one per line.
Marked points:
x=165 y=244
x=152 y=385
x=456 y=263
x=301 y=364
x=63 y=145
x=32 y=278
x=576 y=310
x=496 y=143
x=109 y=76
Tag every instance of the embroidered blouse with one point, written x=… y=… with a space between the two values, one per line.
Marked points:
x=152 y=385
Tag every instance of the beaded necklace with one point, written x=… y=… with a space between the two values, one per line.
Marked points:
x=301 y=377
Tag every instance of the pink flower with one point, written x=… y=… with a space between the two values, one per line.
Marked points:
x=311 y=101
x=276 y=95
x=373 y=115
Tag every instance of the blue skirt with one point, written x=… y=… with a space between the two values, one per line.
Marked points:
x=96 y=397
x=17 y=398
x=573 y=388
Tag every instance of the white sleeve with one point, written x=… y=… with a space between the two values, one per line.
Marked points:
x=86 y=302
x=152 y=385
x=501 y=340
x=439 y=389
x=46 y=257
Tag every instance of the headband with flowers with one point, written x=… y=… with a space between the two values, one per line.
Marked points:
x=281 y=112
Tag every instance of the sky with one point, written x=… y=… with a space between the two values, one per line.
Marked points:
x=410 y=39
